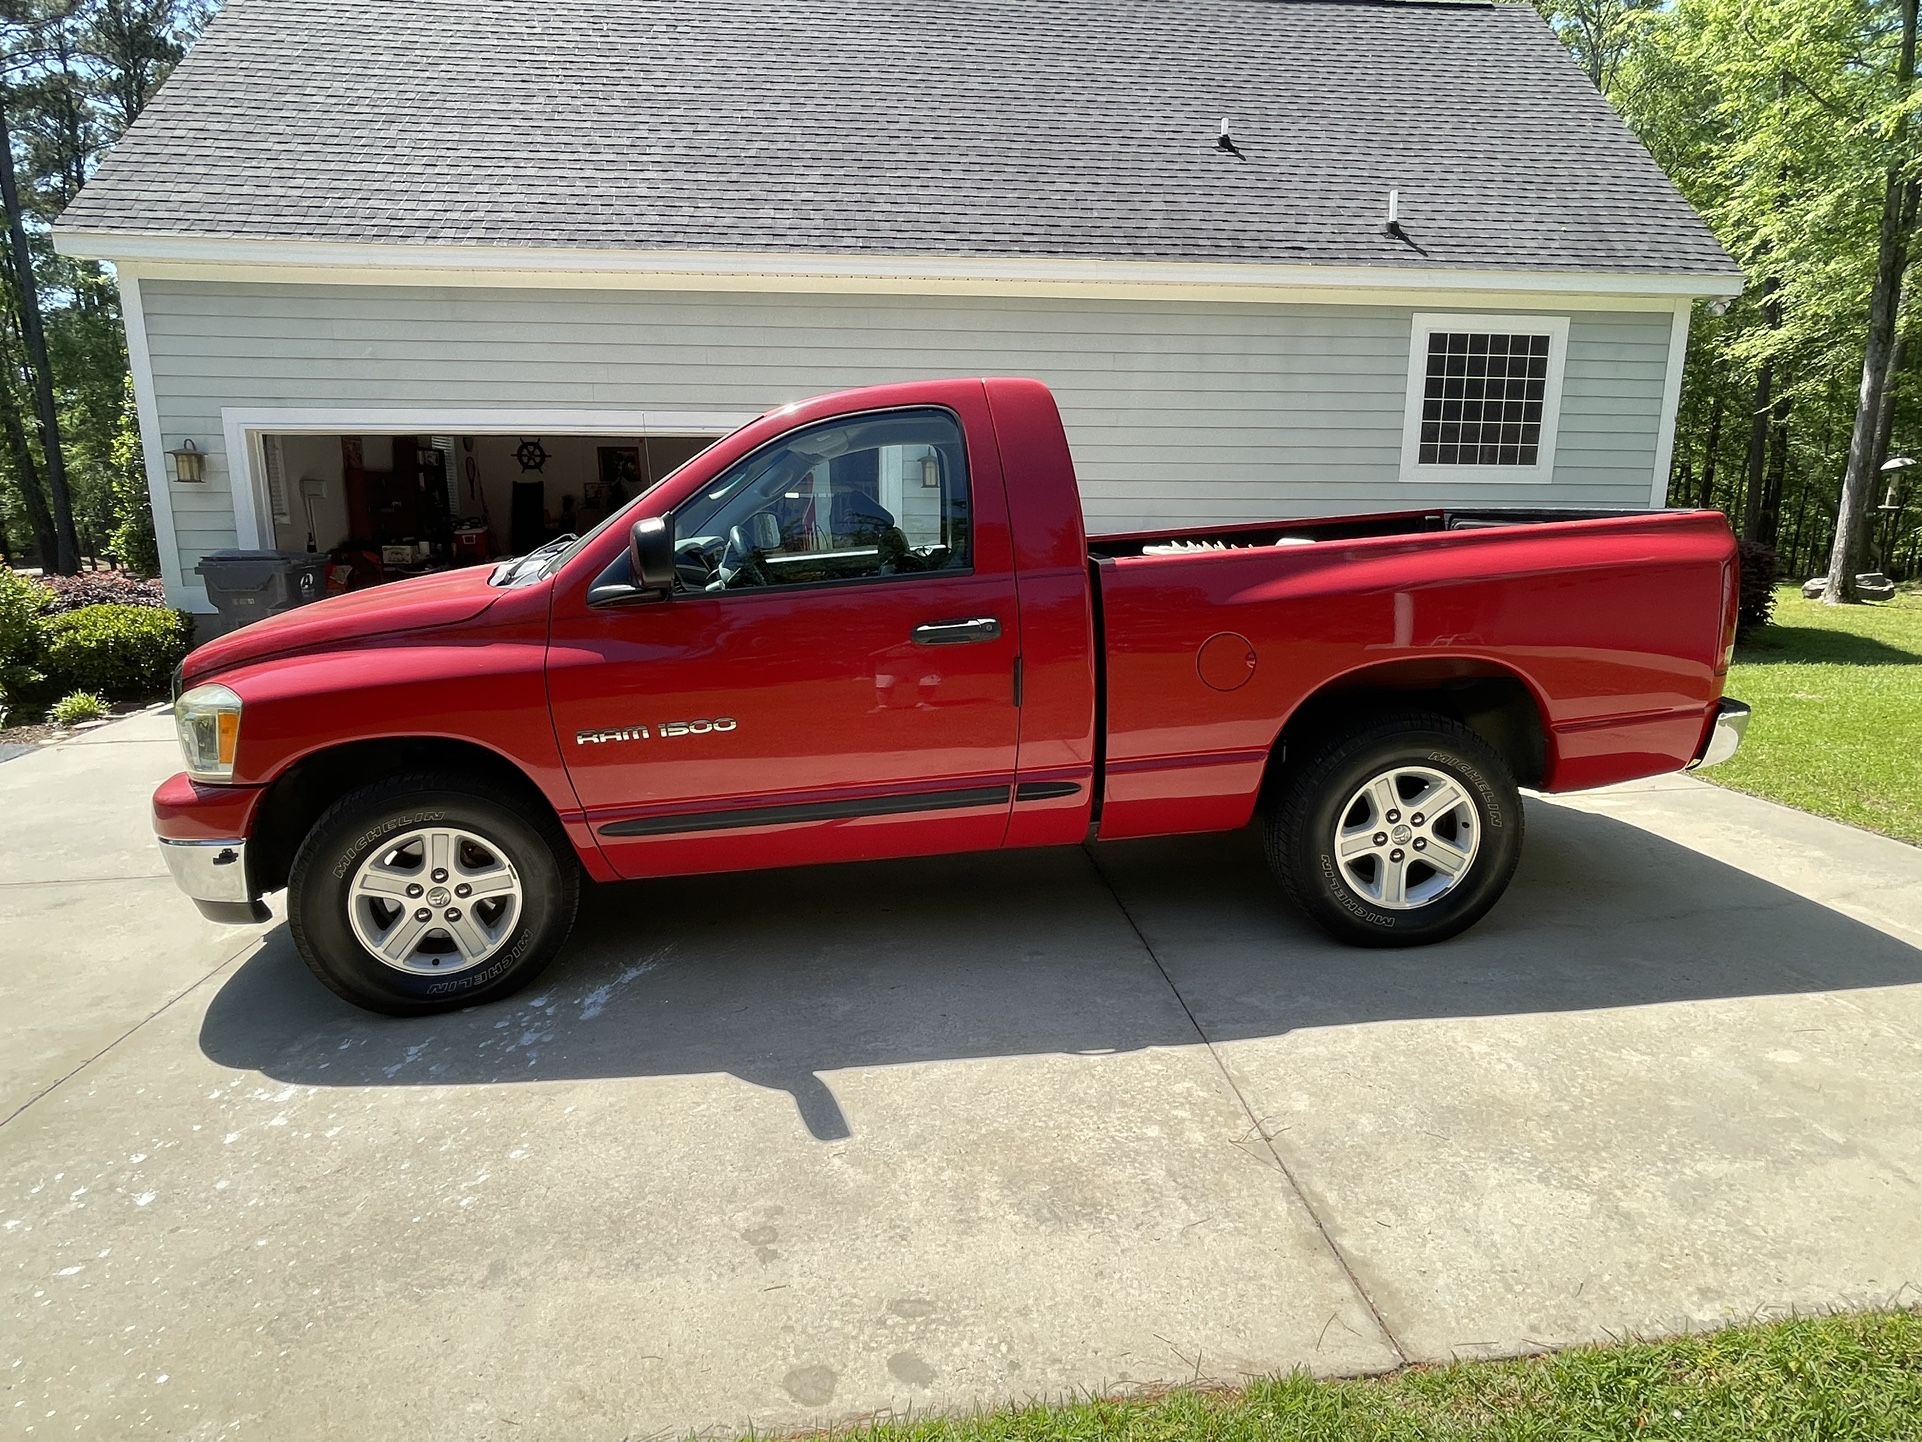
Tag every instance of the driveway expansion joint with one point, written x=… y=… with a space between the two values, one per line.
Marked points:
x=53 y=1086
x=86 y=880
x=1257 y=1126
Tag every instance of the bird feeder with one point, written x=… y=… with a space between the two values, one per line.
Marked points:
x=1893 y=468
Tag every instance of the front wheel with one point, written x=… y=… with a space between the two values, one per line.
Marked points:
x=428 y=893
x=1403 y=834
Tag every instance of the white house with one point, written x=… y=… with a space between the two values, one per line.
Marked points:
x=391 y=263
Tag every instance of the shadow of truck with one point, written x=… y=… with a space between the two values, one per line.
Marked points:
x=777 y=978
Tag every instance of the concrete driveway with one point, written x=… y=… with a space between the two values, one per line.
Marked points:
x=778 y=1149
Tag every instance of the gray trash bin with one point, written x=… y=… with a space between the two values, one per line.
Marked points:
x=246 y=585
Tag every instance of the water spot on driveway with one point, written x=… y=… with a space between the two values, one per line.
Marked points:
x=595 y=1002
x=811 y=1386
x=911 y=1369
x=912 y=1307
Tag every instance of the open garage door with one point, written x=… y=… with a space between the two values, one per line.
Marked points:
x=385 y=505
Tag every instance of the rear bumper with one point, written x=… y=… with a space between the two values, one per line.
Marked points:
x=202 y=831
x=1725 y=734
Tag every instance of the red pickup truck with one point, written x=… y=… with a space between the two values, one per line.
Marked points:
x=870 y=625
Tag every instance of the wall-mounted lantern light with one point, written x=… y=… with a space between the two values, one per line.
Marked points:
x=190 y=463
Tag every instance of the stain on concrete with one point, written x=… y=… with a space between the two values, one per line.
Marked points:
x=762 y=1239
x=911 y=1369
x=811 y=1386
x=912 y=1307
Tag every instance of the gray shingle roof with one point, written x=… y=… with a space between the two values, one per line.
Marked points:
x=1064 y=128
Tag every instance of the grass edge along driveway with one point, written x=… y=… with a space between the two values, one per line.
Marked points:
x=1856 y=1377
x=1837 y=730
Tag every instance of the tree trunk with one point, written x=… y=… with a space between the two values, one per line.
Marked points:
x=39 y=518
x=1884 y=436
x=1778 y=467
x=1899 y=202
x=1885 y=418
x=1755 y=493
x=65 y=559
x=1708 y=451
x=1795 y=542
x=1818 y=543
x=1753 y=469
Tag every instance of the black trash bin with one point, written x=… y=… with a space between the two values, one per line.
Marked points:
x=246 y=585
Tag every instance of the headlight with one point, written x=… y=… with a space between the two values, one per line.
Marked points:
x=208 y=720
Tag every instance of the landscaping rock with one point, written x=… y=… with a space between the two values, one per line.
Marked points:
x=1869 y=586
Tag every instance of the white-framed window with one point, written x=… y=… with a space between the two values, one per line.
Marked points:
x=1484 y=397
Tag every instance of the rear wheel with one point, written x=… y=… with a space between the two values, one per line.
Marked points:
x=428 y=893
x=1403 y=834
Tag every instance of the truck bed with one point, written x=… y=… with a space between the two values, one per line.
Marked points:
x=1610 y=623
x=1243 y=535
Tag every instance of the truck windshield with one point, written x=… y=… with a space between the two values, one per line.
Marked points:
x=624 y=516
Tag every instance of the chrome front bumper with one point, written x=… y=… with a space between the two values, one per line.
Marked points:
x=1731 y=721
x=214 y=874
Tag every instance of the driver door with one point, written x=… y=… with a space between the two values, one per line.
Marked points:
x=833 y=678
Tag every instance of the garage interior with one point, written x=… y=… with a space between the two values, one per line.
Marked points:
x=384 y=507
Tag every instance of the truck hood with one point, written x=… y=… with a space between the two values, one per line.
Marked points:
x=420 y=604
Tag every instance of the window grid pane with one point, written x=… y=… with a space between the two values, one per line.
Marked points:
x=1482 y=399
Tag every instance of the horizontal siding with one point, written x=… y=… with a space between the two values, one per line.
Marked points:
x=1177 y=412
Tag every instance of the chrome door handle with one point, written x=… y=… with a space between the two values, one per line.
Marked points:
x=957 y=633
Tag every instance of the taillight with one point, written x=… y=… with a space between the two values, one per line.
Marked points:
x=1731 y=593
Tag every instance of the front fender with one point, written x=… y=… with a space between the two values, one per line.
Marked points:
x=486 y=688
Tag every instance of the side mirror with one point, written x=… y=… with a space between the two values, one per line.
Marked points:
x=650 y=547
x=650 y=568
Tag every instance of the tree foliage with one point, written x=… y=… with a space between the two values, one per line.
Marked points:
x=73 y=75
x=1782 y=120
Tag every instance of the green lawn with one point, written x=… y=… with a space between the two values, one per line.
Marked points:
x=1852 y=1379
x=1837 y=692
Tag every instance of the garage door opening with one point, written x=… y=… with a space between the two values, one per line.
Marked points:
x=382 y=507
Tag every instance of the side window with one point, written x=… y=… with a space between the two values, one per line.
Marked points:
x=884 y=494
x=1484 y=398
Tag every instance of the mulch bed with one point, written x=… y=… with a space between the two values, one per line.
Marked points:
x=28 y=735
x=41 y=734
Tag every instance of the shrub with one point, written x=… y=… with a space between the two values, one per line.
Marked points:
x=22 y=605
x=102 y=588
x=126 y=652
x=77 y=706
x=1755 y=566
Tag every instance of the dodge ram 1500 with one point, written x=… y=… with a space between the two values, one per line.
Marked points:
x=871 y=625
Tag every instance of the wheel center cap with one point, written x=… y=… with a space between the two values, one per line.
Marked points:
x=1400 y=836
x=439 y=896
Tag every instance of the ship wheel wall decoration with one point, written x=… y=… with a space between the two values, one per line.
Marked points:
x=532 y=455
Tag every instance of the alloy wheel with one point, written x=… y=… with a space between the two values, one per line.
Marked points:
x=436 y=901
x=1407 y=838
